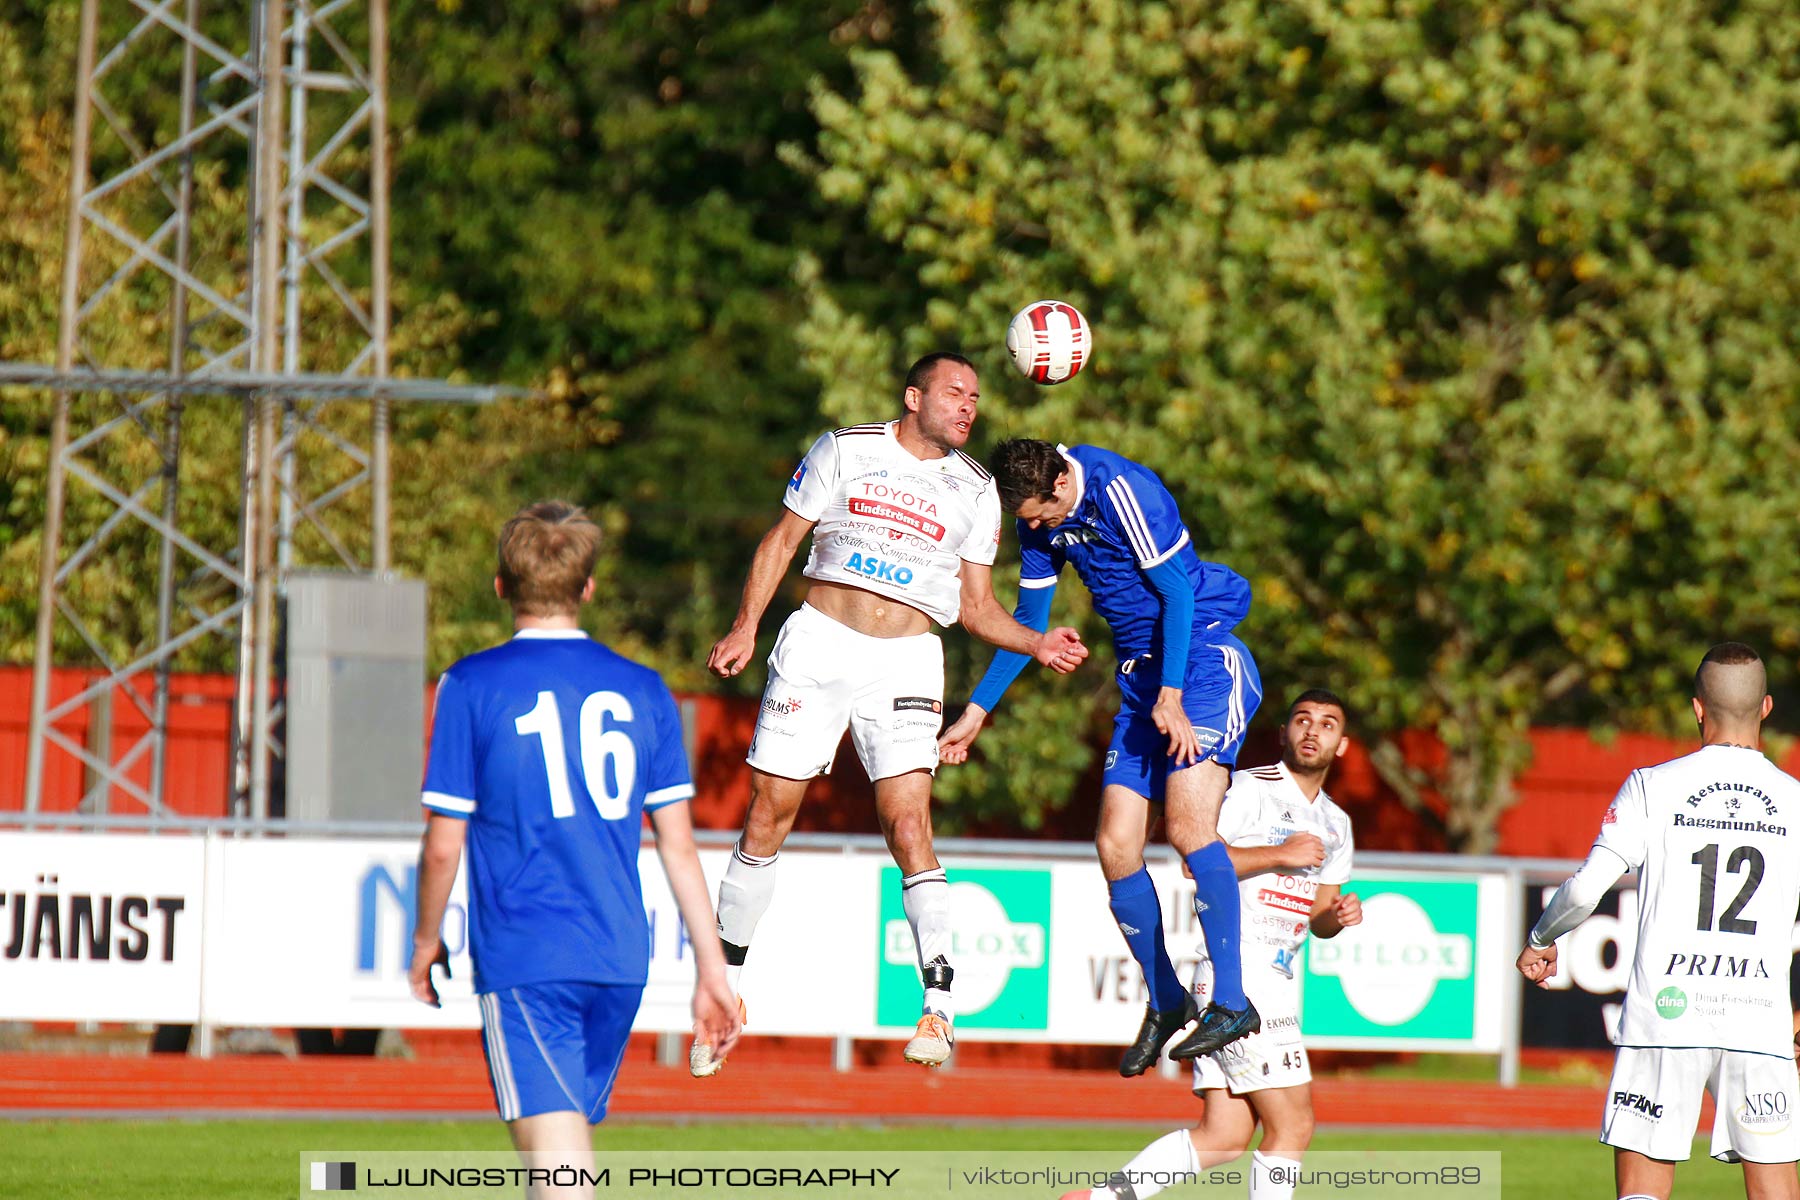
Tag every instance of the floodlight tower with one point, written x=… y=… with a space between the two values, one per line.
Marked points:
x=215 y=251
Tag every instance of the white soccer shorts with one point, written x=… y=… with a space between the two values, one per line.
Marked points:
x=1273 y=1058
x=824 y=675
x=1653 y=1103
x=1270 y=1058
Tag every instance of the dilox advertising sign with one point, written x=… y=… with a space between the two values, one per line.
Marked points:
x=191 y=929
x=1424 y=971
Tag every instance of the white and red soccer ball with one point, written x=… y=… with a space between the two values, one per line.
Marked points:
x=1049 y=341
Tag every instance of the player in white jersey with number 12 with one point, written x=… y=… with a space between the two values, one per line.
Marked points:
x=1714 y=837
x=904 y=530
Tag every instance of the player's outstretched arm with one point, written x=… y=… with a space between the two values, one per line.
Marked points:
x=440 y=850
x=1574 y=901
x=1060 y=649
x=1175 y=593
x=716 y=1017
x=1033 y=612
x=731 y=653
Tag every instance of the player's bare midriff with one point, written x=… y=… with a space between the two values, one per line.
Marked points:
x=866 y=612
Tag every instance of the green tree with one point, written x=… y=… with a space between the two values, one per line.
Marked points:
x=587 y=199
x=115 y=591
x=1467 y=331
x=600 y=184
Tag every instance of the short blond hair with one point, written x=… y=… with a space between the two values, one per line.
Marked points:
x=547 y=553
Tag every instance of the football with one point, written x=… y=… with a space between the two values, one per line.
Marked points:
x=1049 y=341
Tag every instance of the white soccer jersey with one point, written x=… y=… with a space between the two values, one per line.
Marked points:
x=1264 y=807
x=893 y=524
x=1715 y=839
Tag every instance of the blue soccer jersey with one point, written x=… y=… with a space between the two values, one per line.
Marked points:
x=553 y=747
x=1123 y=524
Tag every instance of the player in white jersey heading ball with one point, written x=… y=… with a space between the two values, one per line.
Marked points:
x=1714 y=837
x=904 y=530
x=1290 y=846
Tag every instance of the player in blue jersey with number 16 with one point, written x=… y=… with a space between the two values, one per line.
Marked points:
x=545 y=754
x=1188 y=690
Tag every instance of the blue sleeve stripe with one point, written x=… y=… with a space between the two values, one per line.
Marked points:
x=445 y=803
x=669 y=795
x=1166 y=555
x=1041 y=582
x=1131 y=519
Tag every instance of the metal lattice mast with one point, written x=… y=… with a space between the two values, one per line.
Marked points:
x=273 y=293
x=130 y=240
x=335 y=120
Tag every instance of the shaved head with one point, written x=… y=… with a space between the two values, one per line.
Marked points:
x=1731 y=683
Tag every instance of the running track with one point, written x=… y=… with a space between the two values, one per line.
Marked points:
x=270 y=1085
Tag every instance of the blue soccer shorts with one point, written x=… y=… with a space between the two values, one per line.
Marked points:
x=556 y=1047
x=1220 y=695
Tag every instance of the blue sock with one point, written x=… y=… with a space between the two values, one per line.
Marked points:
x=1139 y=914
x=1216 y=904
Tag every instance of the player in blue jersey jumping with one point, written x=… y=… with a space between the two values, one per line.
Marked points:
x=545 y=754
x=1188 y=690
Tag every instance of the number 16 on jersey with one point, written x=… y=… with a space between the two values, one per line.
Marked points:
x=608 y=756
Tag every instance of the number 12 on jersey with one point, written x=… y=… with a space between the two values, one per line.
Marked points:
x=1707 y=859
x=599 y=748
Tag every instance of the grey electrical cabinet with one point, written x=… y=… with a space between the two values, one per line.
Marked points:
x=355 y=719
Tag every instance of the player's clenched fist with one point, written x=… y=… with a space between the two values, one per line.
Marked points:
x=1539 y=966
x=1348 y=909
x=731 y=652
x=1305 y=850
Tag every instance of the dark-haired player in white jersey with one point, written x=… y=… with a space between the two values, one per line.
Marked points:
x=904 y=530
x=546 y=752
x=1714 y=837
x=1290 y=846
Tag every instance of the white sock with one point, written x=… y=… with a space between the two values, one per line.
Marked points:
x=926 y=898
x=1164 y=1163
x=744 y=896
x=1272 y=1176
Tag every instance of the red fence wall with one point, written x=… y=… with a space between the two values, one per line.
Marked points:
x=1561 y=796
x=196 y=766
x=197 y=771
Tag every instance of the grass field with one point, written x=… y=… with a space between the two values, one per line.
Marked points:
x=204 y=1160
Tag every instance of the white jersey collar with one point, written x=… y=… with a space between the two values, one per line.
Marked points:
x=1076 y=475
x=549 y=635
x=1300 y=792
